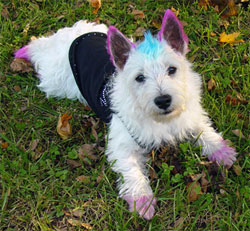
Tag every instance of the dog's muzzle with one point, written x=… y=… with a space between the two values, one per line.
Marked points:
x=163 y=102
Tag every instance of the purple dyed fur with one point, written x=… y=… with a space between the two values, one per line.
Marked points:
x=170 y=14
x=225 y=155
x=111 y=31
x=22 y=53
x=144 y=205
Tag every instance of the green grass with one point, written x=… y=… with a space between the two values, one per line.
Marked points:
x=38 y=187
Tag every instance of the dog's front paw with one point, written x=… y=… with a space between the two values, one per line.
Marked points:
x=144 y=205
x=224 y=155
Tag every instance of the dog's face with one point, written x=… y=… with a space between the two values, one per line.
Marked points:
x=152 y=74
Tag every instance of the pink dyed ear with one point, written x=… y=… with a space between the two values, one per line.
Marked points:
x=172 y=32
x=118 y=47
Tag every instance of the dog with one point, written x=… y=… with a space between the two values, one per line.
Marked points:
x=146 y=92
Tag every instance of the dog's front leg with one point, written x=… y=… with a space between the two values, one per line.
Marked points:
x=214 y=146
x=127 y=159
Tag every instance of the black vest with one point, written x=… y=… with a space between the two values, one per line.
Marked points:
x=91 y=67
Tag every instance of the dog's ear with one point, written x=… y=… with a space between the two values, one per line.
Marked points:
x=118 y=47
x=172 y=32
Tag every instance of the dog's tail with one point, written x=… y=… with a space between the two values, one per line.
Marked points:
x=22 y=53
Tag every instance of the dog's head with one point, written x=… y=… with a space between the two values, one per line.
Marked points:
x=152 y=74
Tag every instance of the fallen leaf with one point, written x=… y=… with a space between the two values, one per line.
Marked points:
x=156 y=24
x=87 y=150
x=204 y=183
x=230 y=38
x=17 y=88
x=211 y=84
x=83 y=179
x=20 y=65
x=78 y=212
x=230 y=9
x=179 y=223
x=94 y=133
x=238 y=133
x=5 y=12
x=204 y=4
x=235 y=100
x=26 y=29
x=34 y=144
x=64 y=128
x=152 y=174
x=237 y=169
x=227 y=8
x=140 y=32
x=222 y=192
x=75 y=222
x=194 y=191
x=212 y=34
x=138 y=14
x=176 y=12
x=5 y=145
x=73 y=164
x=99 y=179
x=96 y=4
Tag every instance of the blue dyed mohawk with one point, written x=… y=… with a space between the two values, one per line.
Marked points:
x=151 y=47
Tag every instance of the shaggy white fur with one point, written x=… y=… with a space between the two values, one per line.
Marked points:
x=146 y=70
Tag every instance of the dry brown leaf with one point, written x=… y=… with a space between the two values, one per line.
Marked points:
x=238 y=133
x=231 y=9
x=211 y=84
x=140 y=32
x=64 y=128
x=212 y=34
x=204 y=4
x=78 y=223
x=73 y=164
x=99 y=179
x=230 y=38
x=5 y=145
x=152 y=173
x=83 y=179
x=26 y=29
x=227 y=8
x=237 y=169
x=138 y=14
x=156 y=24
x=20 y=65
x=235 y=100
x=204 y=183
x=87 y=150
x=194 y=191
x=17 y=88
x=176 y=12
x=78 y=212
x=5 y=12
x=34 y=144
x=96 y=4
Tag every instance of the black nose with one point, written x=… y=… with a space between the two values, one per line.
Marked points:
x=163 y=101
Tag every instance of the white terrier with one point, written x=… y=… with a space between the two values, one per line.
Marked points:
x=146 y=92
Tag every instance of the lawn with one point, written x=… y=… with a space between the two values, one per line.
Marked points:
x=47 y=183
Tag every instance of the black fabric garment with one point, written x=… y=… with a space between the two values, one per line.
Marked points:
x=91 y=67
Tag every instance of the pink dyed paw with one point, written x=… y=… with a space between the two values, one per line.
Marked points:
x=144 y=205
x=225 y=155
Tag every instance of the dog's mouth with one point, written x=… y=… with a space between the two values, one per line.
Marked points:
x=166 y=112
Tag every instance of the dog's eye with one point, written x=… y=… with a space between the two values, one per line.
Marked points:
x=140 y=78
x=171 y=70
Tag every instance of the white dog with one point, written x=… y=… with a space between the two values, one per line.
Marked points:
x=147 y=92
